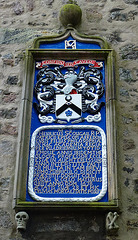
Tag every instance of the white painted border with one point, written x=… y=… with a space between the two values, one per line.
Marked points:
x=76 y=199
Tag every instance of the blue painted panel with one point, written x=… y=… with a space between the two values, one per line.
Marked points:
x=65 y=164
x=61 y=45
x=68 y=163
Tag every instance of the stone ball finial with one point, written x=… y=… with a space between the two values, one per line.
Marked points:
x=70 y=15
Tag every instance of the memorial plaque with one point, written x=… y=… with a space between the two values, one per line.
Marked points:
x=69 y=117
x=68 y=164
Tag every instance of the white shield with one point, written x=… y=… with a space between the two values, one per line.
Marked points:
x=68 y=106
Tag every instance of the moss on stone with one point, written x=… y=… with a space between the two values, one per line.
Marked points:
x=70 y=14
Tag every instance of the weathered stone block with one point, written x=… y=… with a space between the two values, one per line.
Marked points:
x=8 y=97
x=12 y=80
x=131 y=224
x=124 y=92
x=114 y=37
x=5 y=220
x=131 y=1
x=117 y=15
x=129 y=159
x=30 y=4
x=8 y=59
x=18 y=8
x=8 y=113
x=6 y=147
x=129 y=52
x=8 y=129
x=128 y=144
x=128 y=170
x=127 y=120
x=93 y=15
x=4 y=182
x=133 y=208
x=19 y=35
x=125 y=75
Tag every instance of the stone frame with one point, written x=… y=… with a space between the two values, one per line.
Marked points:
x=37 y=54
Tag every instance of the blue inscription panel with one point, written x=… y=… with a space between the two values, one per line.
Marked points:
x=68 y=162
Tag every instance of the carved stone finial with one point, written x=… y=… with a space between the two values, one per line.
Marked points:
x=111 y=225
x=21 y=220
x=70 y=15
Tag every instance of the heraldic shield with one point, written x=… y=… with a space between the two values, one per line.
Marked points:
x=68 y=107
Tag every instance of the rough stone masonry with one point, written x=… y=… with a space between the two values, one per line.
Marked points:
x=116 y=21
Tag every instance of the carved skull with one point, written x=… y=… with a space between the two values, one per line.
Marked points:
x=21 y=219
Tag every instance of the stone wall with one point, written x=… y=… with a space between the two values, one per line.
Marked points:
x=20 y=22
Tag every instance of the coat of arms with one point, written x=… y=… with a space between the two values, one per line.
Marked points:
x=69 y=90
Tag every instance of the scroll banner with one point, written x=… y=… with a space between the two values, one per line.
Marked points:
x=92 y=63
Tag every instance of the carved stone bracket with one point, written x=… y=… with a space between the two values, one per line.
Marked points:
x=111 y=226
x=21 y=219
